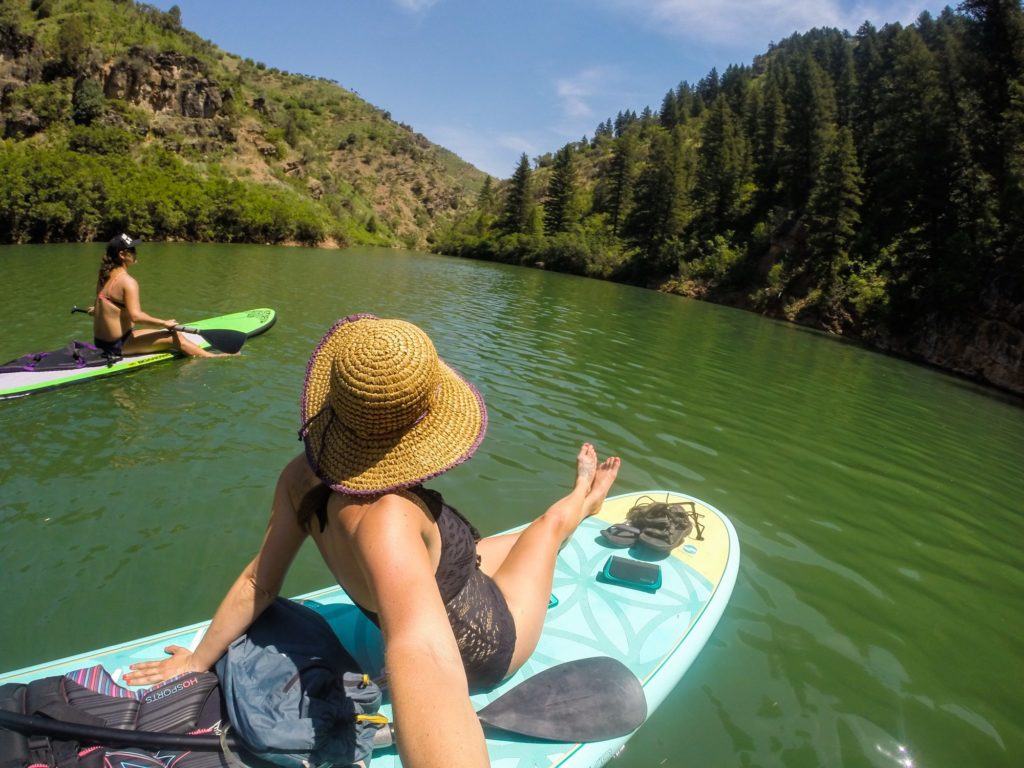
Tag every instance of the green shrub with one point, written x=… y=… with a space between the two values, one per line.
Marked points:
x=50 y=102
x=87 y=101
x=710 y=260
x=100 y=140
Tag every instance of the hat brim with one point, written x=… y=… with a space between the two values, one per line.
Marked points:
x=449 y=432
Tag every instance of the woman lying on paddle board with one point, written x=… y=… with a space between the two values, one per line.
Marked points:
x=382 y=413
x=117 y=310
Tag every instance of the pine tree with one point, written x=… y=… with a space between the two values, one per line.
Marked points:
x=734 y=84
x=174 y=17
x=707 y=87
x=909 y=197
x=560 y=210
x=868 y=69
x=997 y=41
x=968 y=226
x=621 y=121
x=621 y=177
x=833 y=211
x=669 y=115
x=516 y=214
x=723 y=169
x=1013 y=189
x=769 y=142
x=684 y=101
x=660 y=202
x=810 y=112
x=485 y=199
x=846 y=85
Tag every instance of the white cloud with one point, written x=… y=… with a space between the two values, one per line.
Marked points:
x=576 y=91
x=585 y=95
x=415 y=5
x=743 y=21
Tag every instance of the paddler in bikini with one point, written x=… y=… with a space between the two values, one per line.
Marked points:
x=117 y=311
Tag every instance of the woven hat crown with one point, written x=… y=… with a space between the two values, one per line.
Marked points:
x=383 y=378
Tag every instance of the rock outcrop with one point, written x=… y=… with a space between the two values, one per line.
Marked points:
x=166 y=82
x=987 y=346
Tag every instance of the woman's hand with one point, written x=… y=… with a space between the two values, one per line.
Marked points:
x=91 y=310
x=153 y=672
x=169 y=324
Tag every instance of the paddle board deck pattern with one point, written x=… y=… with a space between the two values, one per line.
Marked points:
x=251 y=322
x=656 y=635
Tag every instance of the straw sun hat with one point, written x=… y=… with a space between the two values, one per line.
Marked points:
x=381 y=411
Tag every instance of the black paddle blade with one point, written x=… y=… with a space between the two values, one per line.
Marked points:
x=585 y=700
x=222 y=339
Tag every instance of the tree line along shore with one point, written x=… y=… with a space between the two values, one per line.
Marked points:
x=871 y=185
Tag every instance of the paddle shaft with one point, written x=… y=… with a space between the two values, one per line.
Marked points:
x=112 y=737
x=77 y=309
x=222 y=339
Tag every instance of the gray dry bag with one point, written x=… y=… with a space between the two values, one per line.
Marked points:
x=294 y=695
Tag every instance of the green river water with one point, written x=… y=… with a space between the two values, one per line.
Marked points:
x=878 y=613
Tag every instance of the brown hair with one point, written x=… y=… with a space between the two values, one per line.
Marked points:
x=111 y=260
x=313 y=504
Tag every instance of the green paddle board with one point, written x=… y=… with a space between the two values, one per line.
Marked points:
x=26 y=382
x=657 y=635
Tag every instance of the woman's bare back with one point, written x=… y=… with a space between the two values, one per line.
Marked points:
x=111 y=319
x=343 y=516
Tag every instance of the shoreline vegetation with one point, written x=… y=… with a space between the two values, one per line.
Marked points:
x=867 y=185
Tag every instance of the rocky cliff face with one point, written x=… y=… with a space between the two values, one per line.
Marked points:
x=166 y=82
x=987 y=346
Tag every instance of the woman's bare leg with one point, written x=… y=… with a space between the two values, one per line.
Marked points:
x=525 y=575
x=144 y=342
x=494 y=549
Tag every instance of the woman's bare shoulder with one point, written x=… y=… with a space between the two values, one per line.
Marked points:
x=386 y=510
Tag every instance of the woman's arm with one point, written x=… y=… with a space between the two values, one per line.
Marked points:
x=437 y=725
x=131 y=303
x=254 y=589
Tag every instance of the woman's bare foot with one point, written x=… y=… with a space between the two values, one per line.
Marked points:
x=604 y=476
x=586 y=466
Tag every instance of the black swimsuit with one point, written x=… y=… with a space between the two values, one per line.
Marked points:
x=115 y=347
x=481 y=621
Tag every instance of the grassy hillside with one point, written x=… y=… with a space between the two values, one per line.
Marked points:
x=113 y=116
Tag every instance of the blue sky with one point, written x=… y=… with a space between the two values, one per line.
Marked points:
x=491 y=79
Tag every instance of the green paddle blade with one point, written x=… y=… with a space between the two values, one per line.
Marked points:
x=579 y=701
x=219 y=338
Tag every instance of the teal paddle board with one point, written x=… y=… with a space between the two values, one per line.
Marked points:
x=19 y=383
x=657 y=635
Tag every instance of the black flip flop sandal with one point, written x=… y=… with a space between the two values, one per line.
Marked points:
x=621 y=535
x=668 y=535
